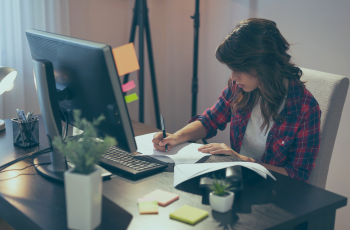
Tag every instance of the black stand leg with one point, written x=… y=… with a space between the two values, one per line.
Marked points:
x=140 y=18
x=151 y=65
x=195 y=18
x=132 y=33
x=141 y=61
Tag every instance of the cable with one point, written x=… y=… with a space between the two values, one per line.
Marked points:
x=23 y=168
x=32 y=154
x=66 y=129
x=17 y=176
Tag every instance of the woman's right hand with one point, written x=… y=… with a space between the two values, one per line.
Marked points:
x=159 y=142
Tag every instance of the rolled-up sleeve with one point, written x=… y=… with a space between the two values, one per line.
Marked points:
x=217 y=116
x=302 y=155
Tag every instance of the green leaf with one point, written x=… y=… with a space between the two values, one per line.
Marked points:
x=220 y=187
x=87 y=151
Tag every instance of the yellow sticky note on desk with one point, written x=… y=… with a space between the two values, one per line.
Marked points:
x=131 y=97
x=125 y=59
x=188 y=214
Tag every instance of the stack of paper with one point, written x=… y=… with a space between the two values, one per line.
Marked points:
x=186 y=153
x=187 y=171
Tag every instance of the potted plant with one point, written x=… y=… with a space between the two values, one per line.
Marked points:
x=221 y=198
x=83 y=183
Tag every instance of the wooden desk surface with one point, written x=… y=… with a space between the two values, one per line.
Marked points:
x=29 y=201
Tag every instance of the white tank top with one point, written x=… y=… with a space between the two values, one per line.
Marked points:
x=254 y=141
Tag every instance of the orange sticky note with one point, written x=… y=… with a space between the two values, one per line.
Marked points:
x=125 y=59
x=163 y=197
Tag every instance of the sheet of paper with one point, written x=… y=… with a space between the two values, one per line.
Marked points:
x=128 y=86
x=186 y=153
x=131 y=97
x=185 y=172
x=125 y=59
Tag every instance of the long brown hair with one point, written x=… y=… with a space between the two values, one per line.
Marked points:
x=256 y=47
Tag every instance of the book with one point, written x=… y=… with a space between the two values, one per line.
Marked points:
x=188 y=214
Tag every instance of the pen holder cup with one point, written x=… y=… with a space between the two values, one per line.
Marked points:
x=25 y=134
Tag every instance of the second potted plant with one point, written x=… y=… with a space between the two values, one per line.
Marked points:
x=83 y=183
x=221 y=198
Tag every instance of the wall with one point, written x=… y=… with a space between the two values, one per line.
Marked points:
x=318 y=30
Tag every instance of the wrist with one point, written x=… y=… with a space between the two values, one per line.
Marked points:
x=178 y=137
x=248 y=159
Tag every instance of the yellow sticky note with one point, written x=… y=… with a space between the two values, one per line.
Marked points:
x=131 y=97
x=125 y=59
x=148 y=207
x=188 y=214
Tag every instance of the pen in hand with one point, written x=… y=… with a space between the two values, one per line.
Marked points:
x=163 y=129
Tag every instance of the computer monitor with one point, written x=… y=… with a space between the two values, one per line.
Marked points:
x=87 y=71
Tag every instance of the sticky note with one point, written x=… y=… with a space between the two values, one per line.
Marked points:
x=131 y=97
x=163 y=197
x=125 y=59
x=148 y=207
x=188 y=214
x=128 y=86
x=145 y=199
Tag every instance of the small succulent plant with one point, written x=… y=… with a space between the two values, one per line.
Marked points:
x=220 y=187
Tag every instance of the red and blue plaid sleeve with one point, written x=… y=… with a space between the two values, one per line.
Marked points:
x=217 y=116
x=304 y=150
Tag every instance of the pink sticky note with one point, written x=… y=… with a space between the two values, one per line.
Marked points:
x=128 y=86
x=163 y=197
x=145 y=199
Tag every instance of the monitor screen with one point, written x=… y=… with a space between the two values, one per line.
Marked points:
x=88 y=71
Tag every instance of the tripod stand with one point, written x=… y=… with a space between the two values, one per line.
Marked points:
x=140 y=18
x=195 y=18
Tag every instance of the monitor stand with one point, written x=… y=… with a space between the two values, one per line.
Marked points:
x=43 y=166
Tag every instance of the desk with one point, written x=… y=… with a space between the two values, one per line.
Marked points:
x=30 y=201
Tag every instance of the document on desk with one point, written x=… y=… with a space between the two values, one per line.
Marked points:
x=186 y=153
x=185 y=172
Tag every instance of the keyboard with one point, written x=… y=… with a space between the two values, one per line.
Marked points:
x=126 y=162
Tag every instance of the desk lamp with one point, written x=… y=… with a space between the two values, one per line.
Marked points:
x=7 y=77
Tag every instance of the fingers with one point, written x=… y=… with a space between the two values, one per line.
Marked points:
x=159 y=142
x=162 y=148
x=205 y=147
x=207 y=150
x=164 y=141
x=157 y=137
x=220 y=151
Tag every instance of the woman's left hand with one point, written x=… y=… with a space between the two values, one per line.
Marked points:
x=216 y=148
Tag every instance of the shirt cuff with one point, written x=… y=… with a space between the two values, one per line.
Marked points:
x=203 y=121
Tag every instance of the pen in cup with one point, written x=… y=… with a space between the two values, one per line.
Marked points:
x=163 y=129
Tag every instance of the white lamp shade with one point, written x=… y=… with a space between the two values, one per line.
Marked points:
x=7 y=77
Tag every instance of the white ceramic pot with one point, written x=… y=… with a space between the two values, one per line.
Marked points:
x=221 y=203
x=83 y=199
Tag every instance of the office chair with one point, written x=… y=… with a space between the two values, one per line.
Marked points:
x=330 y=91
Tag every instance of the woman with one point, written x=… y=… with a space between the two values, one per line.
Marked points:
x=275 y=120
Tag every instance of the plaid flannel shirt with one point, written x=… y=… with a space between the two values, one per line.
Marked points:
x=292 y=143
